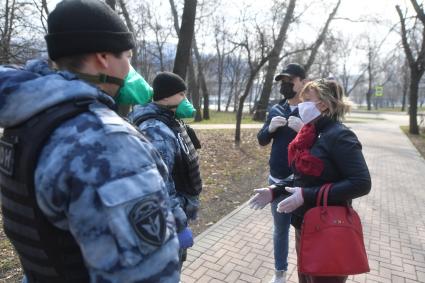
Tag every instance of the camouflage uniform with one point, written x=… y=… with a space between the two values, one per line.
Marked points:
x=94 y=177
x=165 y=141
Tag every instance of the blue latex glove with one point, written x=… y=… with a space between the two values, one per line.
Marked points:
x=185 y=238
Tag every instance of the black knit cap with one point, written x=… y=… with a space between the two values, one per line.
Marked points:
x=167 y=84
x=85 y=26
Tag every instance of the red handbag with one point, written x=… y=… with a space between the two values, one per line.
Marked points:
x=331 y=240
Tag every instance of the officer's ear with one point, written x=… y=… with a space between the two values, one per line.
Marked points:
x=101 y=59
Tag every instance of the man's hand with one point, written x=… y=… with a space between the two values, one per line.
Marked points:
x=185 y=238
x=262 y=197
x=277 y=122
x=292 y=202
x=295 y=123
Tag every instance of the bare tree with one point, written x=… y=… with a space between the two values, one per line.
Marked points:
x=256 y=57
x=193 y=82
x=185 y=38
x=321 y=37
x=260 y=114
x=20 y=37
x=417 y=65
x=162 y=33
x=405 y=84
x=111 y=3
x=235 y=76
x=129 y=23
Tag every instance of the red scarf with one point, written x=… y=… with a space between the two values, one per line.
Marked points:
x=299 y=152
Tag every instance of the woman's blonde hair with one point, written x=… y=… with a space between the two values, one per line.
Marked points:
x=332 y=94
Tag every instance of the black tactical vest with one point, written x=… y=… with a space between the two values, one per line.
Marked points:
x=186 y=173
x=47 y=254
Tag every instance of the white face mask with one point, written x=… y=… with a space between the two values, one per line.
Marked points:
x=308 y=111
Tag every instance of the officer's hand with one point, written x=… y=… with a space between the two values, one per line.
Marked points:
x=185 y=238
x=277 y=122
x=292 y=202
x=295 y=123
x=262 y=197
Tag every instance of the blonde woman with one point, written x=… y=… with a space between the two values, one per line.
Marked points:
x=324 y=151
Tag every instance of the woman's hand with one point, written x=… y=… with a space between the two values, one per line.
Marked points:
x=292 y=202
x=262 y=197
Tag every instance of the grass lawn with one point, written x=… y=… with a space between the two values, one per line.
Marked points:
x=417 y=140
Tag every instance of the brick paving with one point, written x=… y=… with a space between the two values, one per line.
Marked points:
x=238 y=248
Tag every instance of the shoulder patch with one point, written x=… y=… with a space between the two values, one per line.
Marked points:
x=7 y=153
x=148 y=221
x=111 y=121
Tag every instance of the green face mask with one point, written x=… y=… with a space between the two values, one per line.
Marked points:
x=135 y=91
x=185 y=109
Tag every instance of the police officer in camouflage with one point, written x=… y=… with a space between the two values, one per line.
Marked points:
x=83 y=192
x=161 y=121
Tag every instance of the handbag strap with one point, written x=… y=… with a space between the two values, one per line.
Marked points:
x=324 y=190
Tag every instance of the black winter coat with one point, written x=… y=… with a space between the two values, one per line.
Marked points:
x=344 y=167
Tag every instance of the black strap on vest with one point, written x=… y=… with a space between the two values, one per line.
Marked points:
x=172 y=124
x=47 y=254
x=186 y=174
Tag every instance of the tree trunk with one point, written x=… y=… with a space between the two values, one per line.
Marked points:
x=260 y=113
x=202 y=82
x=111 y=3
x=405 y=85
x=240 y=106
x=229 y=99
x=413 y=101
x=370 y=76
x=194 y=90
x=185 y=38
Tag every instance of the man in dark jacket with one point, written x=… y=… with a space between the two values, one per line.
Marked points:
x=281 y=126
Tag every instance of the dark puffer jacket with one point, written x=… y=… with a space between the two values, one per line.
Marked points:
x=344 y=167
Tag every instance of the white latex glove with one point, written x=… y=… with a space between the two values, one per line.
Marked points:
x=262 y=197
x=292 y=202
x=277 y=122
x=295 y=123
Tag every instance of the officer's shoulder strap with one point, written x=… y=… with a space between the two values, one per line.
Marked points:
x=174 y=125
x=171 y=123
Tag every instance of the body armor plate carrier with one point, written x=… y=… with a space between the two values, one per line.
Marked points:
x=186 y=173
x=47 y=253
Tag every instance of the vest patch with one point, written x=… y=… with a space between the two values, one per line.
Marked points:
x=148 y=221
x=7 y=155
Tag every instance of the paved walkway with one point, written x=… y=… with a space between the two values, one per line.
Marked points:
x=239 y=247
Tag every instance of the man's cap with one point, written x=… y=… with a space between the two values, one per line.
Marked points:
x=167 y=84
x=291 y=70
x=77 y=27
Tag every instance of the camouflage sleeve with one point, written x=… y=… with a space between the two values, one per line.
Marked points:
x=164 y=141
x=107 y=190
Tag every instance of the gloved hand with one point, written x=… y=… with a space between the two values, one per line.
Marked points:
x=277 y=122
x=295 y=123
x=292 y=202
x=185 y=238
x=262 y=197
